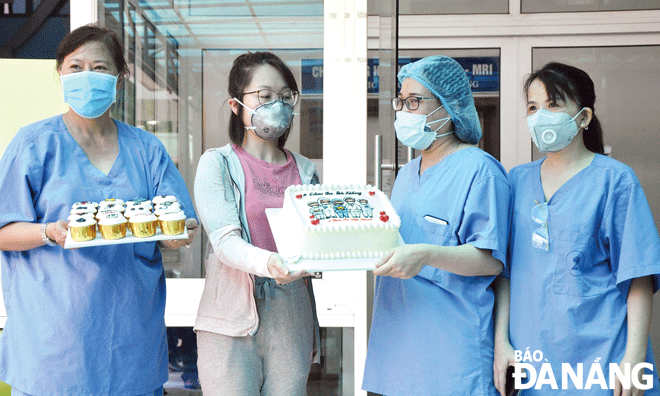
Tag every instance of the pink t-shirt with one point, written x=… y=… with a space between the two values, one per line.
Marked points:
x=264 y=188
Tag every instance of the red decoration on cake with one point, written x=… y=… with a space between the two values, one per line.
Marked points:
x=372 y=193
x=299 y=196
x=315 y=222
x=312 y=216
x=384 y=218
x=382 y=213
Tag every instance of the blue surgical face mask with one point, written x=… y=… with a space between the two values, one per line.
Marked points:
x=89 y=93
x=270 y=120
x=552 y=131
x=413 y=130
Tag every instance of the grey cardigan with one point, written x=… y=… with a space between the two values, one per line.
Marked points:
x=228 y=305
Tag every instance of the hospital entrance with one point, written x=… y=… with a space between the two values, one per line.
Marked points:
x=180 y=53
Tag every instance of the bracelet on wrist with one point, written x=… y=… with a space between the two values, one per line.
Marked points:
x=45 y=237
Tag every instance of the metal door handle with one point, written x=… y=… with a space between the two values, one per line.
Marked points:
x=378 y=161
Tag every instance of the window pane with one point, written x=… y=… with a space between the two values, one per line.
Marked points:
x=435 y=7
x=533 y=6
x=169 y=47
x=19 y=7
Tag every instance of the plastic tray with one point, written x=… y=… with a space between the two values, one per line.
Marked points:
x=129 y=238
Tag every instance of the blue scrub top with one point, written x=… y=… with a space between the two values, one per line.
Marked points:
x=433 y=334
x=570 y=302
x=90 y=320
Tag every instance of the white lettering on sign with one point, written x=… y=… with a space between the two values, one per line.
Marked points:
x=317 y=71
x=482 y=70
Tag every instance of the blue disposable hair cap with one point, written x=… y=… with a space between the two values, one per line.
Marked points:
x=446 y=79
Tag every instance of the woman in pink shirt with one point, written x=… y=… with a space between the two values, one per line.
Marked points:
x=256 y=325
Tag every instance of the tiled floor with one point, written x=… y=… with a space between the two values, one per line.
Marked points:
x=174 y=387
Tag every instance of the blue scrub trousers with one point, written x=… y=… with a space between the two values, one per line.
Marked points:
x=157 y=392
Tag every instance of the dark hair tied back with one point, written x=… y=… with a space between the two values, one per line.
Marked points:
x=567 y=82
x=93 y=33
x=240 y=77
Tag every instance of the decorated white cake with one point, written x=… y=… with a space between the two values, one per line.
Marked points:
x=340 y=221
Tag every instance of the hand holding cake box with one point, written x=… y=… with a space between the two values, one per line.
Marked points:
x=339 y=222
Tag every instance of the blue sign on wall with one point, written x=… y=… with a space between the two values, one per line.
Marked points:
x=311 y=76
x=483 y=73
x=372 y=75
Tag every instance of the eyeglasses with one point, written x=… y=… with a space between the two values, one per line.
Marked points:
x=540 y=238
x=412 y=102
x=266 y=96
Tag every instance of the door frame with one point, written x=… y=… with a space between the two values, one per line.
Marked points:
x=515 y=35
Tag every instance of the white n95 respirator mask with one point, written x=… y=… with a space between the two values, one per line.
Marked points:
x=413 y=130
x=552 y=131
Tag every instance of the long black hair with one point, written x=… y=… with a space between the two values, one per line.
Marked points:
x=240 y=77
x=563 y=81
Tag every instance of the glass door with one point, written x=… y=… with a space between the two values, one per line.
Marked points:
x=482 y=67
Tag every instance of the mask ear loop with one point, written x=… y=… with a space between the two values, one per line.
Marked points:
x=586 y=127
x=446 y=119
x=579 y=112
x=251 y=112
x=441 y=106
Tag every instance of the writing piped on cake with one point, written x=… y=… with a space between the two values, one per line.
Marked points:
x=341 y=221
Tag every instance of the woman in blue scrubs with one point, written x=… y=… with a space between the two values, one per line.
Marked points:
x=86 y=321
x=432 y=328
x=584 y=249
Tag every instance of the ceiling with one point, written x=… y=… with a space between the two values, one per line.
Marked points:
x=213 y=24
